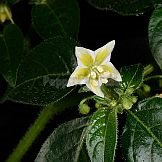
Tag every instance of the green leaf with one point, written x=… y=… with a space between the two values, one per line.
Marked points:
x=65 y=143
x=56 y=17
x=125 y=7
x=155 y=35
x=43 y=74
x=83 y=156
x=132 y=76
x=11 y=47
x=102 y=135
x=142 y=136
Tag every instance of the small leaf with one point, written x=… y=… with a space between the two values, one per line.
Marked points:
x=11 y=47
x=142 y=136
x=155 y=35
x=56 y=17
x=132 y=76
x=65 y=143
x=125 y=7
x=43 y=74
x=102 y=135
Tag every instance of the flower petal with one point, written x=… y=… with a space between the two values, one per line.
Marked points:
x=114 y=73
x=85 y=57
x=79 y=76
x=103 y=54
x=96 y=89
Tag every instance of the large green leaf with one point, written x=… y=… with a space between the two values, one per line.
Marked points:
x=43 y=74
x=11 y=52
x=132 y=76
x=125 y=7
x=102 y=135
x=56 y=17
x=65 y=143
x=155 y=35
x=142 y=136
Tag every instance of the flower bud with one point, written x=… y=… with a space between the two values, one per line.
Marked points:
x=97 y=105
x=127 y=103
x=146 y=88
x=84 y=109
x=134 y=99
x=5 y=13
x=130 y=90
x=113 y=103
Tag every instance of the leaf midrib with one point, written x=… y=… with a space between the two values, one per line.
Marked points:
x=58 y=20
x=9 y=57
x=133 y=77
x=146 y=128
x=107 y=117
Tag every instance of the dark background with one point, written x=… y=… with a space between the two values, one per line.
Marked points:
x=96 y=29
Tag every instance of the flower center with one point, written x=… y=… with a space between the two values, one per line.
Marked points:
x=95 y=83
x=97 y=72
x=93 y=75
x=100 y=69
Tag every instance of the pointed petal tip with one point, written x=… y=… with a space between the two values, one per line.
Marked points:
x=68 y=85
x=113 y=42
x=118 y=78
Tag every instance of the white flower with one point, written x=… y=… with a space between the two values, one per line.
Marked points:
x=94 y=68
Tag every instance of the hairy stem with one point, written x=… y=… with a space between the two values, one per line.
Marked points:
x=153 y=77
x=148 y=70
x=33 y=132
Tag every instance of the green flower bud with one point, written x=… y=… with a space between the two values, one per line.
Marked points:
x=134 y=99
x=127 y=103
x=146 y=88
x=84 y=109
x=97 y=105
x=113 y=103
x=130 y=90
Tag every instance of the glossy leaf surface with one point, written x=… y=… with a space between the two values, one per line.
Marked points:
x=132 y=76
x=43 y=75
x=142 y=136
x=102 y=135
x=65 y=143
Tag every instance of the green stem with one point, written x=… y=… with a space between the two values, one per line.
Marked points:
x=33 y=132
x=153 y=77
x=148 y=69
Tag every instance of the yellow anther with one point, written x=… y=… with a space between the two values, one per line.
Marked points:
x=93 y=75
x=100 y=69
x=107 y=74
x=104 y=81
